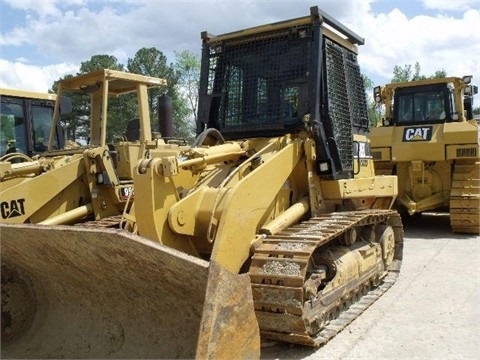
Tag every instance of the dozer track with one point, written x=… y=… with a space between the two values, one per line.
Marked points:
x=465 y=197
x=283 y=272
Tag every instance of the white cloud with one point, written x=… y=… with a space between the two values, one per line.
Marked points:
x=16 y=37
x=75 y=33
x=436 y=42
x=42 y=8
x=451 y=5
x=17 y=75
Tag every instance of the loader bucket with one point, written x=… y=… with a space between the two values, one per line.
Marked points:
x=71 y=292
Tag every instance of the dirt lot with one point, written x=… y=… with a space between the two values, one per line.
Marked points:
x=432 y=312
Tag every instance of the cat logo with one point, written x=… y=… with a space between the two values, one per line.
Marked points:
x=423 y=133
x=12 y=208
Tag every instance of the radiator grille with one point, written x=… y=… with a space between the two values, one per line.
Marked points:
x=347 y=107
x=467 y=152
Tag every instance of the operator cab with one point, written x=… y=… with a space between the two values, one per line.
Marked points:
x=26 y=121
x=282 y=79
x=423 y=105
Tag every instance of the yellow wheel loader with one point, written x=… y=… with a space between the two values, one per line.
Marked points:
x=430 y=140
x=271 y=225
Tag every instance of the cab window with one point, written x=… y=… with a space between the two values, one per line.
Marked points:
x=42 y=124
x=12 y=129
x=418 y=107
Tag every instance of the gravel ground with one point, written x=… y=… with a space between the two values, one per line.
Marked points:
x=431 y=312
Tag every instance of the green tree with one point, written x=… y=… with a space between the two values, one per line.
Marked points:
x=373 y=114
x=476 y=110
x=187 y=67
x=120 y=109
x=406 y=73
x=99 y=62
x=77 y=124
x=152 y=62
x=439 y=74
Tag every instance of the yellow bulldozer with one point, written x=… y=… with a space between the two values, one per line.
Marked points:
x=271 y=225
x=429 y=138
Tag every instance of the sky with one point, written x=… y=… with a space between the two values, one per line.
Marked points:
x=43 y=40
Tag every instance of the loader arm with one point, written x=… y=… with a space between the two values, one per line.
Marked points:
x=204 y=217
x=19 y=203
x=246 y=207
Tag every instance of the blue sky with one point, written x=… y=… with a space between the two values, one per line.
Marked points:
x=42 y=40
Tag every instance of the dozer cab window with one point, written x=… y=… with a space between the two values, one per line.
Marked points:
x=41 y=124
x=12 y=129
x=421 y=107
x=257 y=85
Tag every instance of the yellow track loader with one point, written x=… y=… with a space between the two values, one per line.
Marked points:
x=430 y=140
x=271 y=225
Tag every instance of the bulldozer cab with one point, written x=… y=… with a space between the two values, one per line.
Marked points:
x=422 y=105
x=429 y=101
x=277 y=79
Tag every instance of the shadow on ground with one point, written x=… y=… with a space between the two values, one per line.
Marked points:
x=430 y=226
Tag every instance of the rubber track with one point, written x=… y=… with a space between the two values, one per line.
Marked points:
x=315 y=232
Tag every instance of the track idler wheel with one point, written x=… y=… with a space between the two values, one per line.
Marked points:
x=385 y=236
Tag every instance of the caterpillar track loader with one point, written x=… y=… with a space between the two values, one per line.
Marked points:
x=25 y=121
x=430 y=140
x=271 y=225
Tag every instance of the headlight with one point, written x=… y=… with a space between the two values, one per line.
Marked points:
x=377 y=94
x=467 y=79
